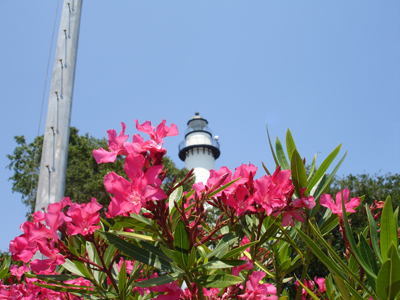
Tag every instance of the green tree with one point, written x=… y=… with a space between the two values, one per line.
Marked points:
x=84 y=176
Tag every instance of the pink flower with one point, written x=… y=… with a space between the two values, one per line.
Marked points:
x=257 y=291
x=131 y=195
x=321 y=283
x=158 y=134
x=172 y=290
x=336 y=208
x=18 y=272
x=273 y=191
x=116 y=145
x=84 y=218
x=243 y=201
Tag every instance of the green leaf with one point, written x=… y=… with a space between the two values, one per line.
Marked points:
x=308 y=290
x=217 y=281
x=349 y=234
x=63 y=277
x=330 y=223
x=238 y=250
x=122 y=282
x=388 y=282
x=220 y=264
x=145 y=256
x=373 y=234
x=223 y=187
x=369 y=258
x=312 y=168
x=327 y=261
x=389 y=232
x=181 y=243
x=272 y=149
x=223 y=246
x=137 y=236
x=265 y=168
x=290 y=145
x=70 y=266
x=341 y=286
x=159 y=280
x=354 y=293
x=368 y=255
x=323 y=168
x=135 y=224
x=299 y=176
x=281 y=155
x=175 y=196
x=5 y=267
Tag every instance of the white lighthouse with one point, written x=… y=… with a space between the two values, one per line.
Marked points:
x=199 y=150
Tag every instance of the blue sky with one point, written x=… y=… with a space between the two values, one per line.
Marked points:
x=328 y=70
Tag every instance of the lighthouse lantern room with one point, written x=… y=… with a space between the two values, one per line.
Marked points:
x=199 y=150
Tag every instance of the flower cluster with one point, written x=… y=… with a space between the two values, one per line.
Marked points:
x=161 y=243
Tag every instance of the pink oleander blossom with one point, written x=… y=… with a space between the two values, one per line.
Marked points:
x=257 y=291
x=18 y=271
x=116 y=145
x=273 y=191
x=242 y=201
x=157 y=134
x=84 y=218
x=336 y=208
x=321 y=284
x=129 y=196
x=172 y=290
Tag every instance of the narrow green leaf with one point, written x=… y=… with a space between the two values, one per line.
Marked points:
x=272 y=149
x=145 y=256
x=384 y=280
x=63 y=277
x=223 y=246
x=389 y=232
x=327 y=261
x=217 y=281
x=122 y=279
x=373 y=234
x=349 y=234
x=323 y=168
x=133 y=235
x=368 y=255
x=220 y=264
x=312 y=168
x=238 y=250
x=281 y=155
x=223 y=187
x=181 y=243
x=341 y=286
x=339 y=260
x=265 y=168
x=175 y=196
x=395 y=276
x=159 y=280
x=290 y=145
x=192 y=257
x=70 y=266
x=354 y=293
x=308 y=290
x=299 y=176
x=135 y=224
x=330 y=223
x=369 y=258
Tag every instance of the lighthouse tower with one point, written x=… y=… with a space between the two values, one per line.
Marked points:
x=199 y=150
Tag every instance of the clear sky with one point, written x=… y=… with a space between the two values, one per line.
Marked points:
x=328 y=70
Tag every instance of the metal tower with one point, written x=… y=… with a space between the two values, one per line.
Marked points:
x=199 y=150
x=53 y=164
